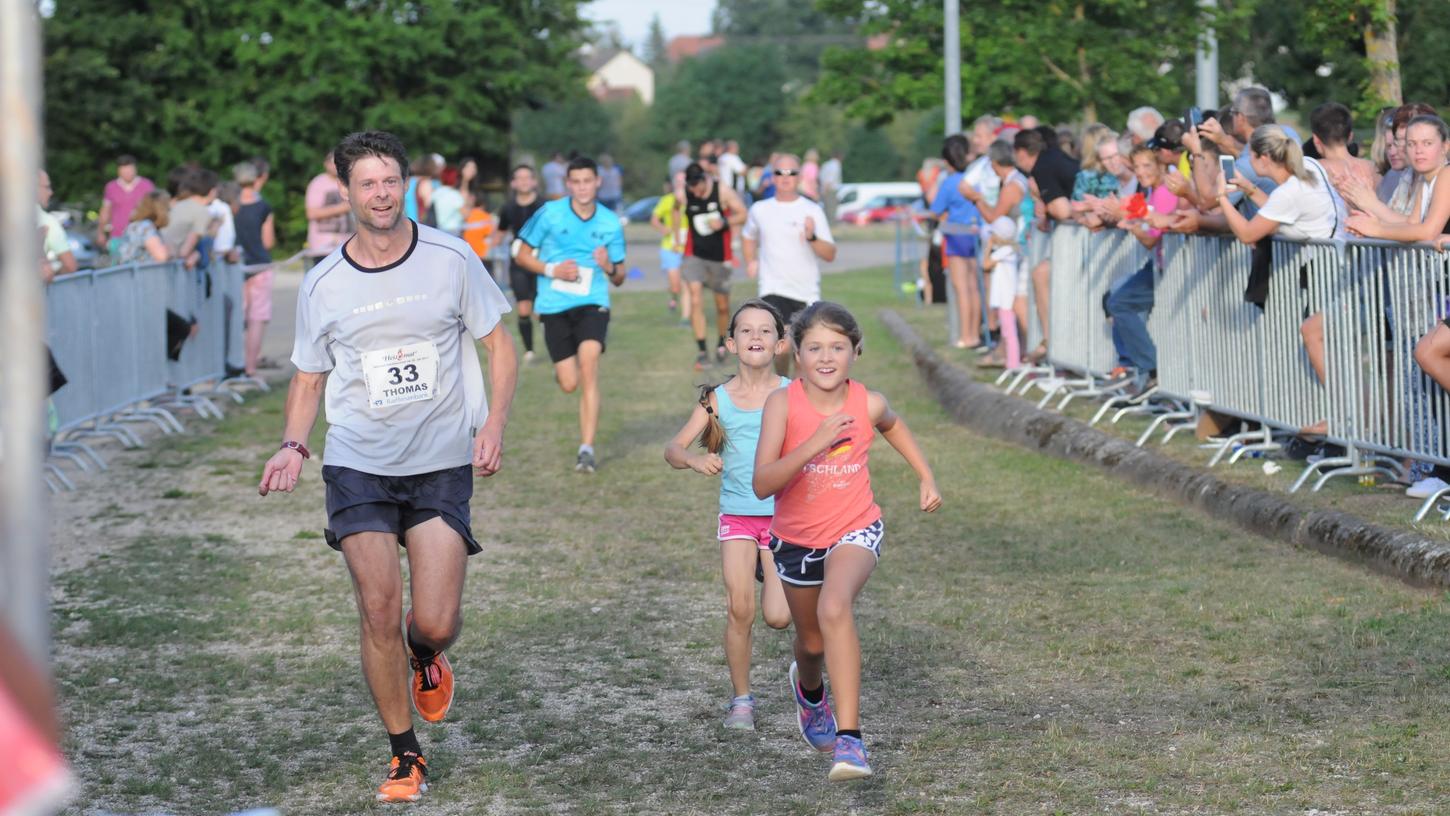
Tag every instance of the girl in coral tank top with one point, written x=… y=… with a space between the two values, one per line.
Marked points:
x=815 y=439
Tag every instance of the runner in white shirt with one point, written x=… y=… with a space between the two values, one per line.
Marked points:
x=382 y=325
x=784 y=239
x=732 y=167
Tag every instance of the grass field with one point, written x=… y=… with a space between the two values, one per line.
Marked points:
x=1051 y=642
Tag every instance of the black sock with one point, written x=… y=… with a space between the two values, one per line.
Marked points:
x=526 y=331
x=419 y=651
x=405 y=742
x=849 y=732
x=721 y=344
x=814 y=696
x=701 y=343
x=995 y=334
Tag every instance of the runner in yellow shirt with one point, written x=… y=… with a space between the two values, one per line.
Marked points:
x=668 y=219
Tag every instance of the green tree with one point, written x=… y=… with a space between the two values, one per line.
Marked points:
x=578 y=124
x=656 y=50
x=733 y=92
x=797 y=29
x=217 y=81
x=870 y=156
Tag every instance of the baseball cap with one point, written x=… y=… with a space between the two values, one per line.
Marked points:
x=1168 y=136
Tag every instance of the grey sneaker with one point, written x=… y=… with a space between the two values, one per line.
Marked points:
x=585 y=462
x=742 y=713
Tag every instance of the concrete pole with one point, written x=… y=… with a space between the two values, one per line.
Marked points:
x=951 y=29
x=24 y=537
x=1206 y=63
x=952 y=54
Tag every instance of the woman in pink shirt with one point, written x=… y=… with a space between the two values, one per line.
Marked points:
x=1132 y=299
x=815 y=439
x=811 y=175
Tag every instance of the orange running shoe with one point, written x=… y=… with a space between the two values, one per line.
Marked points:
x=432 y=682
x=406 y=780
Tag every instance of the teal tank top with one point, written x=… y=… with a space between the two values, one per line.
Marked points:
x=410 y=199
x=742 y=432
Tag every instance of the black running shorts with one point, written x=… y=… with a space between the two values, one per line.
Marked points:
x=360 y=502
x=806 y=566
x=525 y=284
x=787 y=307
x=564 y=331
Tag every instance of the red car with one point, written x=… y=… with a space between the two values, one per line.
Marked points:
x=883 y=208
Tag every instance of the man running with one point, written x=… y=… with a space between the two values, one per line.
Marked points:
x=783 y=240
x=380 y=325
x=521 y=206
x=577 y=247
x=711 y=212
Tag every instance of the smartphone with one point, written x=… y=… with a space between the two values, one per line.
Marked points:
x=1226 y=166
x=1193 y=118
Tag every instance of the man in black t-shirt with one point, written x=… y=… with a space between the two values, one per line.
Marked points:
x=1053 y=174
x=521 y=206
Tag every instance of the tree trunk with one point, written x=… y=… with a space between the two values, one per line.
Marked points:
x=1383 y=54
x=1090 y=110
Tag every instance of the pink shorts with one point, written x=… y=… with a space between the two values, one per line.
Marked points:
x=257 y=295
x=753 y=528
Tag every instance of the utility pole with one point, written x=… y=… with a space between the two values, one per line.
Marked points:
x=1205 y=62
x=24 y=541
x=952 y=31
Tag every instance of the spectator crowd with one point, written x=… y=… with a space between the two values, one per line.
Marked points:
x=997 y=191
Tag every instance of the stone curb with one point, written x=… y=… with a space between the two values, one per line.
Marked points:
x=1404 y=555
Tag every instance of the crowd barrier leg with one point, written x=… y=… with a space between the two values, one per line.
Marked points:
x=70 y=448
x=53 y=472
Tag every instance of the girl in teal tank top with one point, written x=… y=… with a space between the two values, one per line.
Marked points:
x=726 y=424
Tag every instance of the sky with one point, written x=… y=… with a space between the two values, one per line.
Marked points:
x=633 y=16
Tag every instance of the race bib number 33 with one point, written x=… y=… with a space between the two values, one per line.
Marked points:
x=401 y=375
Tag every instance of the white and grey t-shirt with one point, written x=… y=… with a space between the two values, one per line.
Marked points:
x=1306 y=211
x=788 y=267
x=405 y=392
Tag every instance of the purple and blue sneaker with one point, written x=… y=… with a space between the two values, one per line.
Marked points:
x=850 y=760
x=817 y=724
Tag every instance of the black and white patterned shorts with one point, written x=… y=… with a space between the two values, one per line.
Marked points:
x=806 y=566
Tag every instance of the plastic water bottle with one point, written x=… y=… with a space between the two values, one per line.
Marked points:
x=1253 y=454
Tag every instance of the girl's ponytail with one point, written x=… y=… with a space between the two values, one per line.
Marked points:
x=712 y=438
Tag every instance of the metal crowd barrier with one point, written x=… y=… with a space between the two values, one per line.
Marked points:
x=1218 y=352
x=1086 y=265
x=107 y=330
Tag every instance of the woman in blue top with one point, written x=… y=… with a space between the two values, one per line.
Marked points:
x=418 y=200
x=727 y=424
x=959 y=248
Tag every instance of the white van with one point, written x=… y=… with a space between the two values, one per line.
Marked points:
x=853 y=197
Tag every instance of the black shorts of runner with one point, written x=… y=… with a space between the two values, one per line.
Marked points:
x=360 y=502
x=565 y=331
x=788 y=308
x=525 y=284
x=806 y=566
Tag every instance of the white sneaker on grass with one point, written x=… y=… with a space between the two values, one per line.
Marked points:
x=1426 y=487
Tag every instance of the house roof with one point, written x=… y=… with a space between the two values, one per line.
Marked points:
x=686 y=46
x=597 y=58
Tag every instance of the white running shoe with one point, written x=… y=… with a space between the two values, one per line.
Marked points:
x=1427 y=487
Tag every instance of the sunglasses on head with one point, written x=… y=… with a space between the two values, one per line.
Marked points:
x=787 y=172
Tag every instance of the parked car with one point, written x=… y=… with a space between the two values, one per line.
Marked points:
x=83 y=247
x=639 y=210
x=884 y=208
x=853 y=197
